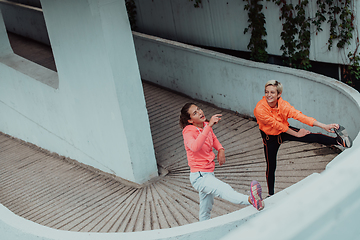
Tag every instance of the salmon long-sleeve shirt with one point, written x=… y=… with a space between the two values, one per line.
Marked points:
x=199 y=144
x=273 y=121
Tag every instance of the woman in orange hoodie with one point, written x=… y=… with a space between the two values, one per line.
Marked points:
x=199 y=141
x=272 y=113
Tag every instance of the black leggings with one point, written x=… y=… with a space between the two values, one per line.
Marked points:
x=273 y=142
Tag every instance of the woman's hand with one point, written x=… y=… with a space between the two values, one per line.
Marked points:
x=302 y=132
x=221 y=156
x=214 y=119
x=327 y=127
x=330 y=127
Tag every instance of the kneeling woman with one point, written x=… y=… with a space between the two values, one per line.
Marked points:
x=199 y=141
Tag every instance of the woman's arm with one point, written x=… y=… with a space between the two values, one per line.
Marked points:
x=326 y=127
x=221 y=151
x=301 y=133
x=193 y=142
x=221 y=156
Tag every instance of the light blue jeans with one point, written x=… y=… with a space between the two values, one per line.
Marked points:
x=209 y=187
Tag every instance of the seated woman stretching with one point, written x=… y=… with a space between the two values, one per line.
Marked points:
x=199 y=141
x=272 y=114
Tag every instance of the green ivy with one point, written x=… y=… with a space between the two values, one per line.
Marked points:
x=197 y=3
x=341 y=20
x=295 y=34
x=296 y=31
x=303 y=42
x=257 y=44
x=353 y=69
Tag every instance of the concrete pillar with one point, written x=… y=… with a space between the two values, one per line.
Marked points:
x=5 y=47
x=95 y=57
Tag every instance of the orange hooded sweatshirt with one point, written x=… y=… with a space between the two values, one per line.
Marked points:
x=273 y=121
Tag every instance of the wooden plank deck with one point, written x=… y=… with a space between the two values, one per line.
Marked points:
x=49 y=190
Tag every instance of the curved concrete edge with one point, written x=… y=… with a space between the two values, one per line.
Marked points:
x=15 y=228
x=195 y=72
x=345 y=89
x=294 y=204
x=328 y=207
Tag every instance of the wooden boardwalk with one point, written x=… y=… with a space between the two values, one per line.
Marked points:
x=52 y=191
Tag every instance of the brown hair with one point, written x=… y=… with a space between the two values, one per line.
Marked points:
x=185 y=115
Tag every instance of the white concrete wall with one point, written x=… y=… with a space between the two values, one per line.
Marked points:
x=221 y=24
x=216 y=24
x=237 y=84
x=97 y=114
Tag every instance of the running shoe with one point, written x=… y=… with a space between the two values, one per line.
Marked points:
x=343 y=137
x=255 y=195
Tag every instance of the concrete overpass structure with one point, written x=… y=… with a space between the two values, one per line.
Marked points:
x=98 y=83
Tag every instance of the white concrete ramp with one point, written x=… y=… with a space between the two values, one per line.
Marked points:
x=60 y=193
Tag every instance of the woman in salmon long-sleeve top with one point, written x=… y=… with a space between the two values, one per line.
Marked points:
x=199 y=141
